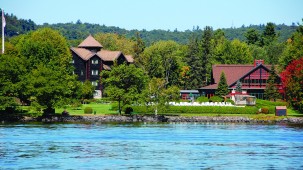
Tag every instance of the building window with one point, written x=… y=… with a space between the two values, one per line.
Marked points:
x=72 y=62
x=95 y=61
x=82 y=73
x=95 y=72
x=94 y=83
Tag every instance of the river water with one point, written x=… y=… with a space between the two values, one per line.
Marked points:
x=150 y=146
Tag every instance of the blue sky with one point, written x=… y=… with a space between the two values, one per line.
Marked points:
x=158 y=14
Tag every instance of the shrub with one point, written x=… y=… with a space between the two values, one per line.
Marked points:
x=202 y=99
x=216 y=99
x=265 y=110
x=88 y=110
x=230 y=101
x=128 y=110
x=76 y=105
x=199 y=110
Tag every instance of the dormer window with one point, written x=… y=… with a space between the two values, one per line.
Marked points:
x=95 y=61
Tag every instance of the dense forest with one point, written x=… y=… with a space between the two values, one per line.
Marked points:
x=37 y=59
x=78 y=31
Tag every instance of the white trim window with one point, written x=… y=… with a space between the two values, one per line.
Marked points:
x=94 y=83
x=95 y=72
x=95 y=61
x=82 y=73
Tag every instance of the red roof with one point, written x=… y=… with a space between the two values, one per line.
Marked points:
x=232 y=73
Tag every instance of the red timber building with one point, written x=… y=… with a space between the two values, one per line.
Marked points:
x=253 y=78
x=89 y=60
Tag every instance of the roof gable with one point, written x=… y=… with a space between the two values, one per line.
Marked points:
x=106 y=55
x=90 y=41
x=129 y=58
x=83 y=53
x=260 y=66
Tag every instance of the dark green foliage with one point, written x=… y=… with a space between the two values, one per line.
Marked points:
x=252 y=36
x=271 y=91
x=206 y=49
x=239 y=87
x=79 y=30
x=88 y=110
x=269 y=35
x=128 y=110
x=222 y=89
x=194 y=61
x=202 y=99
x=216 y=99
x=199 y=110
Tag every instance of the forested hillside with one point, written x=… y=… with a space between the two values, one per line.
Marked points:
x=79 y=30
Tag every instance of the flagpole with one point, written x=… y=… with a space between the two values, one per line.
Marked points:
x=3 y=32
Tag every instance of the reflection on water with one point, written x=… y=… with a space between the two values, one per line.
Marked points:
x=150 y=146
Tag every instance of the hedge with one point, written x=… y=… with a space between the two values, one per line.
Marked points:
x=199 y=110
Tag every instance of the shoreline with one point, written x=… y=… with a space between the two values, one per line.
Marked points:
x=148 y=119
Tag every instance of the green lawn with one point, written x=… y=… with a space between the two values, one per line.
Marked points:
x=99 y=108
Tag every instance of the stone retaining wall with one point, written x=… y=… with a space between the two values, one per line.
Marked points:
x=153 y=118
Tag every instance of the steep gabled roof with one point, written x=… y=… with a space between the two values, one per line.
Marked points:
x=83 y=53
x=106 y=55
x=90 y=42
x=233 y=73
x=129 y=58
x=251 y=71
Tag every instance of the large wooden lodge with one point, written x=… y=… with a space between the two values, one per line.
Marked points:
x=253 y=78
x=89 y=60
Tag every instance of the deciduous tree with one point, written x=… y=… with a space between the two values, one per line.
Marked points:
x=124 y=83
x=292 y=80
x=48 y=81
x=158 y=96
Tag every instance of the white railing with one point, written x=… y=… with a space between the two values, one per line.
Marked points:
x=200 y=104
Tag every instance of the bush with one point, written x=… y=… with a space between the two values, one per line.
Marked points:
x=202 y=99
x=128 y=110
x=216 y=99
x=88 y=110
x=265 y=110
x=230 y=101
x=199 y=110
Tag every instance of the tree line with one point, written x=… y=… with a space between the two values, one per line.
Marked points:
x=77 y=31
x=36 y=66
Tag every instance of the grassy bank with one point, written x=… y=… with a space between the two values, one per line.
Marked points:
x=100 y=109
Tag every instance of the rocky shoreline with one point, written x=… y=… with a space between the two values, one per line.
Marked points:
x=150 y=118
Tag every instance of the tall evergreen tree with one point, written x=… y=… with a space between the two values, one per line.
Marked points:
x=269 y=35
x=239 y=87
x=195 y=62
x=139 y=46
x=222 y=89
x=271 y=91
x=252 y=36
x=206 y=47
